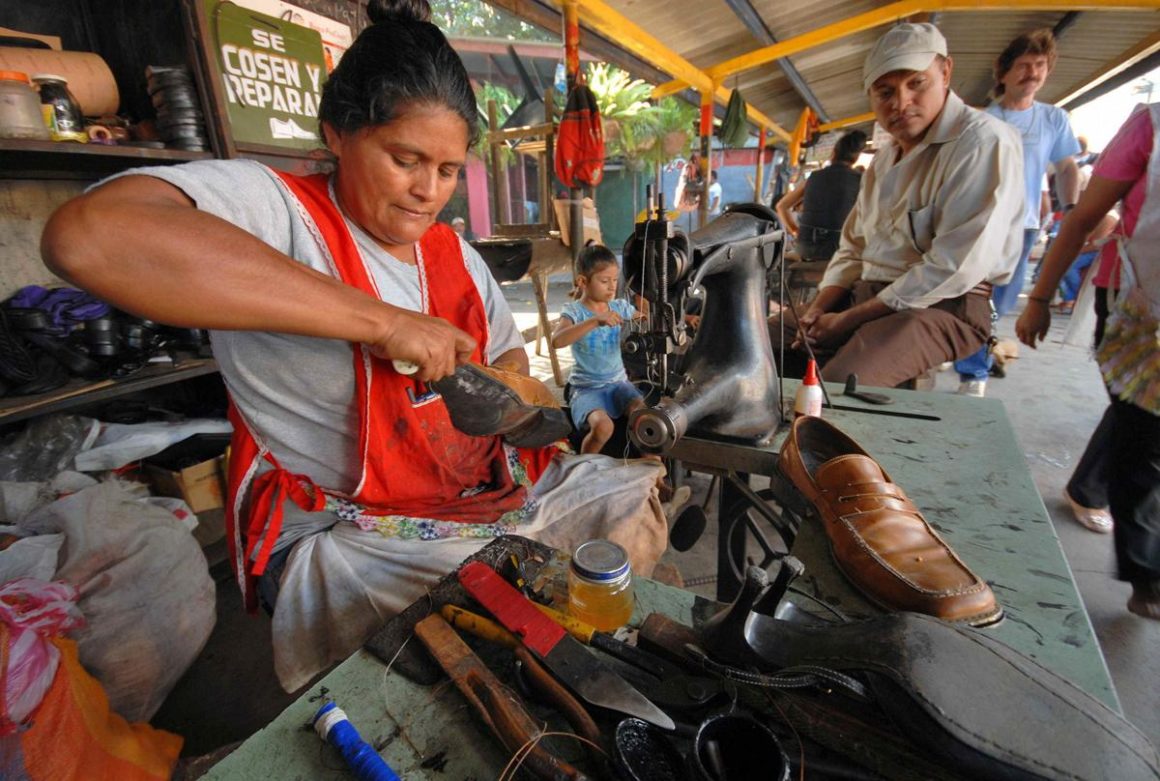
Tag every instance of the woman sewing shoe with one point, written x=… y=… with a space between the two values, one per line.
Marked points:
x=350 y=490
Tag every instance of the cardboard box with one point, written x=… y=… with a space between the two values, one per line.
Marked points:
x=562 y=207
x=192 y=470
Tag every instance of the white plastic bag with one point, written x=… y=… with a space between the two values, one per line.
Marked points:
x=144 y=588
x=120 y=443
x=31 y=611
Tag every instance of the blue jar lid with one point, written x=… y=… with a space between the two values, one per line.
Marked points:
x=600 y=560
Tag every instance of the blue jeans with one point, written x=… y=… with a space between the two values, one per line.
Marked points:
x=978 y=366
x=1070 y=284
x=613 y=398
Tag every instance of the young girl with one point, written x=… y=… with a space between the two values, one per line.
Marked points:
x=601 y=391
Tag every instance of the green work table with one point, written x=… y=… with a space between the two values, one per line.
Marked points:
x=958 y=460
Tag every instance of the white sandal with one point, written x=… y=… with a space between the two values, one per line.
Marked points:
x=1098 y=520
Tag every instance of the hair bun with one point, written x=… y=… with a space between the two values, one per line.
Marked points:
x=392 y=10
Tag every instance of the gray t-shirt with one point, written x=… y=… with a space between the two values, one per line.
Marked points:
x=298 y=391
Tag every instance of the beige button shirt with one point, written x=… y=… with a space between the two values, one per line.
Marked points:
x=941 y=219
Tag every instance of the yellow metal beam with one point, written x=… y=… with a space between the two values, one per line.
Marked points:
x=599 y=16
x=1145 y=48
x=838 y=124
x=894 y=12
x=602 y=18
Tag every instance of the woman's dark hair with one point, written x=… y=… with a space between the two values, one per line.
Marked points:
x=400 y=60
x=849 y=147
x=592 y=258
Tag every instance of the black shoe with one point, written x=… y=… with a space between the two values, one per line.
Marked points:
x=997 y=370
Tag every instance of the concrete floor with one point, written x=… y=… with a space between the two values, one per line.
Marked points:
x=1054 y=398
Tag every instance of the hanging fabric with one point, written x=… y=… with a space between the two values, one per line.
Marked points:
x=580 y=140
x=734 y=130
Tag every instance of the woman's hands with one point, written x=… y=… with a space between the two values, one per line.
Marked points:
x=432 y=343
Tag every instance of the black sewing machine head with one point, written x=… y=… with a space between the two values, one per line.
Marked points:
x=720 y=383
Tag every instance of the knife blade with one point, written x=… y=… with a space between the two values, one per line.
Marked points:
x=564 y=656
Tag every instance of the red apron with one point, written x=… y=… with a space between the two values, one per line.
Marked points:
x=413 y=462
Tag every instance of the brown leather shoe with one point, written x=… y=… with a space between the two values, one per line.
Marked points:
x=878 y=538
x=486 y=401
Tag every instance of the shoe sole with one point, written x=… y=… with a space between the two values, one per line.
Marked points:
x=983 y=621
x=481 y=406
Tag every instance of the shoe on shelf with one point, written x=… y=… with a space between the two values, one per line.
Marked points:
x=1097 y=519
x=976 y=388
x=1145 y=600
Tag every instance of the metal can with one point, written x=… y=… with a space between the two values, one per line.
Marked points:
x=600 y=585
x=62 y=112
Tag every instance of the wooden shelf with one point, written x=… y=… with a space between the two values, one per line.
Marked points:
x=20 y=159
x=78 y=393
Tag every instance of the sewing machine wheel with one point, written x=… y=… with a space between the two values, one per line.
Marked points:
x=742 y=517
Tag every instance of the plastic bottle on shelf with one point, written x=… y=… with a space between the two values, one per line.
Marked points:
x=62 y=112
x=20 y=115
x=808 y=400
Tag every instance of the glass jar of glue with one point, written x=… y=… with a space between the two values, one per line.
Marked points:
x=62 y=112
x=600 y=585
x=808 y=400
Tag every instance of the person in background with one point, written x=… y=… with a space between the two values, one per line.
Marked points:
x=351 y=492
x=1127 y=440
x=714 y=196
x=1020 y=72
x=825 y=200
x=591 y=326
x=935 y=223
x=459 y=225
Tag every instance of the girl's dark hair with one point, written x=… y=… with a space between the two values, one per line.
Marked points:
x=850 y=146
x=592 y=258
x=400 y=60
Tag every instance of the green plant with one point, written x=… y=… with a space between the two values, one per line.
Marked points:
x=635 y=129
x=505 y=104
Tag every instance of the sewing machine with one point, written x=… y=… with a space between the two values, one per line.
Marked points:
x=722 y=383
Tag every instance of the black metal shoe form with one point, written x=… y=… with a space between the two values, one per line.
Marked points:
x=981 y=707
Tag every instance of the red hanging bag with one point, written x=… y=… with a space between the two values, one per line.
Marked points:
x=580 y=140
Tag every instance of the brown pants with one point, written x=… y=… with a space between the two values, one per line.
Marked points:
x=894 y=349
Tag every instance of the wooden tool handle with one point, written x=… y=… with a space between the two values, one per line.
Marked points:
x=497 y=705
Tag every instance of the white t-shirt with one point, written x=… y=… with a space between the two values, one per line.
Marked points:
x=299 y=391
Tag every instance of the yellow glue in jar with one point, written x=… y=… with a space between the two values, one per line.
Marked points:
x=600 y=585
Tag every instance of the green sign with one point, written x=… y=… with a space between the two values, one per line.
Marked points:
x=272 y=71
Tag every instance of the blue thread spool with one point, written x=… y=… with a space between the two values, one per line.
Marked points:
x=332 y=725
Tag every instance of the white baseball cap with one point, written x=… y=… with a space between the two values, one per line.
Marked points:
x=904 y=47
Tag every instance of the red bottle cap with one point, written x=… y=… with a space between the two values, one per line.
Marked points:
x=811 y=373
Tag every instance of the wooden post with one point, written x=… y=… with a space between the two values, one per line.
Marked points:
x=499 y=180
x=760 y=165
x=547 y=163
x=706 y=149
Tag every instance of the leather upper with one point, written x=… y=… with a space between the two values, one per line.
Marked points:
x=879 y=539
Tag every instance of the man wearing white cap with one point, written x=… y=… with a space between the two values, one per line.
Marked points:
x=936 y=224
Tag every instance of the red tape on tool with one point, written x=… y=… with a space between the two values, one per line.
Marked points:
x=513 y=609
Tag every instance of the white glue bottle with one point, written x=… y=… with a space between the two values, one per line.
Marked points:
x=808 y=400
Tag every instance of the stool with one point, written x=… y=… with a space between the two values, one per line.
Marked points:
x=802 y=278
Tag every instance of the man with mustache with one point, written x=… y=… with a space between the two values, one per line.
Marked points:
x=1020 y=72
x=936 y=223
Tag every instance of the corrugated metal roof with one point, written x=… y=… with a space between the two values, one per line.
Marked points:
x=707 y=32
